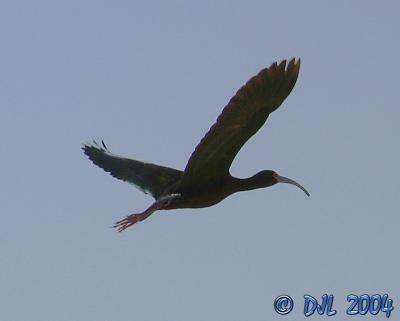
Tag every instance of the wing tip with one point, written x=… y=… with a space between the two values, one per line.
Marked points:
x=95 y=144
x=86 y=146
x=294 y=63
x=94 y=147
x=286 y=64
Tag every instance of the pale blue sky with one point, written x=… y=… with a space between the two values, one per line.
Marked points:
x=150 y=78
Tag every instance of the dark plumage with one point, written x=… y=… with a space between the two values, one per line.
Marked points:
x=206 y=179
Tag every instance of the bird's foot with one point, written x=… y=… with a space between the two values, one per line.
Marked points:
x=129 y=221
x=134 y=218
x=126 y=222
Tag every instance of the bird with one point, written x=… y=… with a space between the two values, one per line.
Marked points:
x=206 y=180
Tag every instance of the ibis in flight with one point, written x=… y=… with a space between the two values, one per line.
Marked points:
x=206 y=180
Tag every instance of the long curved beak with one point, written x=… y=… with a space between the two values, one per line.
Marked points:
x=282 y=179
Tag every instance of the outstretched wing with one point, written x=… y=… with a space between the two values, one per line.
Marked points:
x=150 y=178
x=245 y=113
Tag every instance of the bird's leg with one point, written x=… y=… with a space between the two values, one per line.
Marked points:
x=134 y=218
x=129 y=220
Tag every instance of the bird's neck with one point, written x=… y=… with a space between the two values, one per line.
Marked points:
x=248 y=184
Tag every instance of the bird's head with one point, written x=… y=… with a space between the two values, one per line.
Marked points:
x=269 y=178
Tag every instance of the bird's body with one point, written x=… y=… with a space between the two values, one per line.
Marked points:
x=214 y=192
x=206 y=180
